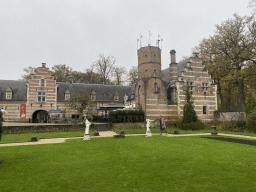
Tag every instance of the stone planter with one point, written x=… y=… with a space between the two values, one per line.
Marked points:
x=214 y=131
x=96 y=133
x=34 y=139
x=118 y=136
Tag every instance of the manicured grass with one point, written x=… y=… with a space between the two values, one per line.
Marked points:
x=138 y=163
x=172 y=129
x=25 y=137
x=157 y=130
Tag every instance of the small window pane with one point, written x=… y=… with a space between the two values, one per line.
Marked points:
x=204 y=109
x=42 y=82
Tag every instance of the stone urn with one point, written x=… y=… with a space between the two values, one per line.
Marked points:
x=34 y=139
x=96 y=133
x=214 y=131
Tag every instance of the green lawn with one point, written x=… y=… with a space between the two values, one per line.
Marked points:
x=25 y=137
x=157 y=130
x=137 y=163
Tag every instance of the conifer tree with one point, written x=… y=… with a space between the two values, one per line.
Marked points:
x=189 y=113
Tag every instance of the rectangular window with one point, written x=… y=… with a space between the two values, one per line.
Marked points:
x=67 y=96
x=191 y=87
x=116 y=98
x=42 y=82
x=8 y=95
x=204 y=109
x=41 y=96
x=156 y=88
x=93 y=97
x=205 y=87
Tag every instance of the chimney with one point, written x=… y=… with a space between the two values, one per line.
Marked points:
x=195 y=55
x=43 y=65
x=173 y=56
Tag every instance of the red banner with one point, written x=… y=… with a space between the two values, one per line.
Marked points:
x=23 y=111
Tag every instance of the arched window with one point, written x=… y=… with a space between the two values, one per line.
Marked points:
x=139 y=89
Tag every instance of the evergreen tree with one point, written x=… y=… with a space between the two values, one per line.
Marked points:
x=189 y=113
x=250 y=104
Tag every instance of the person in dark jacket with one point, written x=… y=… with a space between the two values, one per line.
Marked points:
x=162 y=126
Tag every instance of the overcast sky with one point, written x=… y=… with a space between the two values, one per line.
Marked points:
x=75 y=32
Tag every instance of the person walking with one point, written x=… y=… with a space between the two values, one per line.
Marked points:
x=162 y=126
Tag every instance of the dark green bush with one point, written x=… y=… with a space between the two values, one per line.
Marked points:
x=251 y=122
x=1 y=124
x=250 y=104
x=236 y=126
x=127 y=116
x=194 y=126
x=189 y=113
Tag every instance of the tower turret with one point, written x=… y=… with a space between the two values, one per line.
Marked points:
x=149 y=62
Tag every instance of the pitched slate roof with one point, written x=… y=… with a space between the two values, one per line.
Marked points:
x=18 y=88
x=103 y=92
x=166 y=72
x=181 y=65
x=166 y=76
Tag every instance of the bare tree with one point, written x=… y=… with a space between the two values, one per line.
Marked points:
x=119 y=73
x=79 y=100
x=29 y=71
x=133 y=75
x=105 y=66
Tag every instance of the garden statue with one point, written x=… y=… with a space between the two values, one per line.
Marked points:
x=148 y=133
x=87 y=126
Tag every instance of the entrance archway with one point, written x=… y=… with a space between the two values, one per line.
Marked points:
x=40 y=116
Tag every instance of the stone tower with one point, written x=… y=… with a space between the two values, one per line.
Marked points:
x=150 y=89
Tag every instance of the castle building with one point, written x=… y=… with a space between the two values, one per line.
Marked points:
x=162 y=92
x=157 y=92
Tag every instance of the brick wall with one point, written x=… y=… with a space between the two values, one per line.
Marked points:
x=195 y=72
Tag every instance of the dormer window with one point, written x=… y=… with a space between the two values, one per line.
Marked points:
x=8 y=93
x=125 y=98
x=93 y=96
x=67 y=95
x=42 y=82
x=116 y=96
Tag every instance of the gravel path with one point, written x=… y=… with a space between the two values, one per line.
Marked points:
x=110 y=134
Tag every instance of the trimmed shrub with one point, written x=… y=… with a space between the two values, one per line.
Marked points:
x=236 y=126
x=251 y=122
x=126 y=116
x=194 y=126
